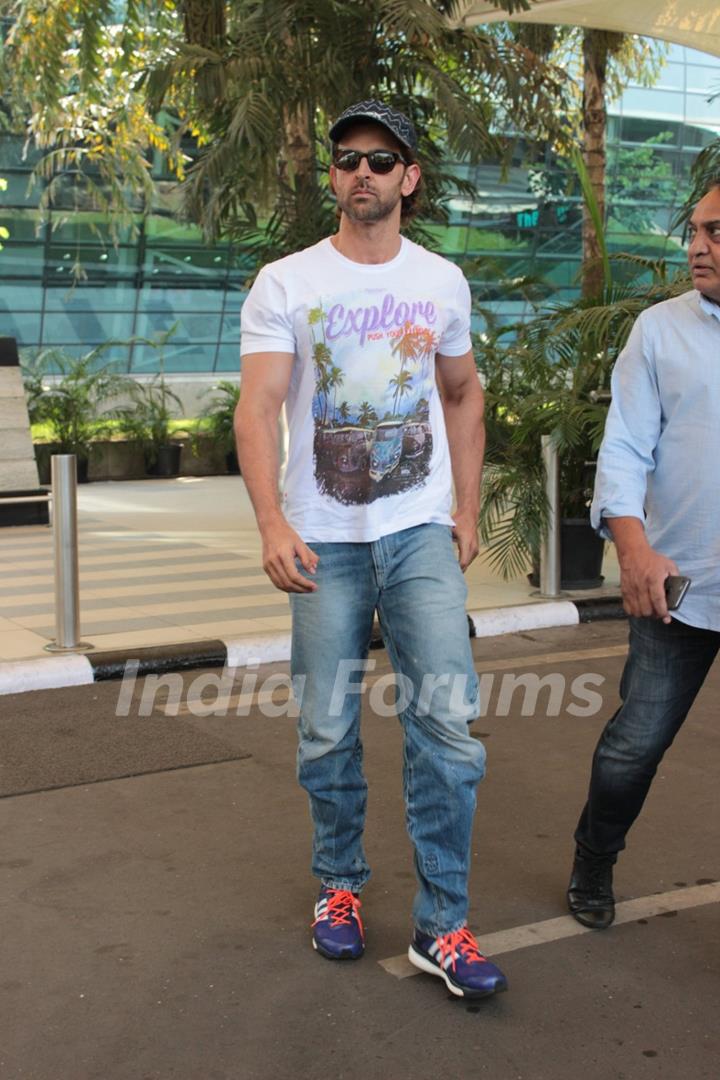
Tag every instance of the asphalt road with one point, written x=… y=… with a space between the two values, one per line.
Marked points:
x=156 y=926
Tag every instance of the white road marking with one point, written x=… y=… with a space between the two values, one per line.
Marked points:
x=540 y=933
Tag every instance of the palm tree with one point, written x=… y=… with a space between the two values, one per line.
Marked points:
x=321 y=356
x=322 y=387
x=336 y=378
x=246 y=88
x=607 y=61
x=403 y=384
x=344 y=411
x=421 y=407
x=366 y=414
x=406 y=346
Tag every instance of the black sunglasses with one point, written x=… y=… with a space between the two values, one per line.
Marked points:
x=380 y=161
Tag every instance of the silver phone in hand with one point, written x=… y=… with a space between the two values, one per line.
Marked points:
x=675 y=588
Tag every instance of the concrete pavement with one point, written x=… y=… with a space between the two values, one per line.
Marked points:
x=156 y=927
x=176 y=566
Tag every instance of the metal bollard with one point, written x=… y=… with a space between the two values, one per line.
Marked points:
x=550 y=547
x=65 y=543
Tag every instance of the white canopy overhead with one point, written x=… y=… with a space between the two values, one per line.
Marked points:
x=695 y=23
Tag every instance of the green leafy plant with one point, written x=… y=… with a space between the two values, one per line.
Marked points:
x=238 y=98
x=149 y=419
x=551 y=376
x=74 y=405
x=216 y=419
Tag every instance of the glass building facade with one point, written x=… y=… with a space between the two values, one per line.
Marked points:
x=525 y=223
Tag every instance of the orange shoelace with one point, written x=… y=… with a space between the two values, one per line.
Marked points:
x=341 y=906
x=460 y=943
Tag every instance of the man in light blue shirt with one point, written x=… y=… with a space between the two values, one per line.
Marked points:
x=657 y=495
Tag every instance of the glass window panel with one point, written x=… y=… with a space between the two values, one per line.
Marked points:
x=695 y=56
x=694 y=137
x=638 y=129
x=94 y=259
x=25 y=326
x=17 y=193
x=90 y=228
x=665 y=103
x=230 y=331
x=190 y=325
x=162 y=297
x=21 y=224
x=228 y=358
x=242 y=266
x=86 y=327
x=672 y=77
x=11 y=152
x=111 y=296
x=196 y=262
x=187 y=357
x=21 y=260
x=167 y=230
x=702 y=79
x=699 y=110
x=20 y=296
x=116 y=357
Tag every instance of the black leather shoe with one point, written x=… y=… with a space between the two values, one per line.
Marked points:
x=590 y=895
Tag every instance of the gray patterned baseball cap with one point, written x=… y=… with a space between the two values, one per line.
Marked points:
x=395 y=122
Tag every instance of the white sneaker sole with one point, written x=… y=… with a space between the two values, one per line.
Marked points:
x=419 y=961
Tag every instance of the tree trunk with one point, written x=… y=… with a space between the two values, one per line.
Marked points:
x=595 y=53
x=204 y=24
x=298 y=161
x=598 y=47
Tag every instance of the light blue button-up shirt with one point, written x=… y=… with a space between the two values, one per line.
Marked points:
x=660 y=456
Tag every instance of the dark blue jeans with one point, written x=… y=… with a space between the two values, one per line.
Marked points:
x=666 y=666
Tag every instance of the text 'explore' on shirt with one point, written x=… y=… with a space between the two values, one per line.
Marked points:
x=368 y=452
x=660 y=456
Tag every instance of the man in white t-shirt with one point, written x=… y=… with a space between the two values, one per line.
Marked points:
x=365 y=337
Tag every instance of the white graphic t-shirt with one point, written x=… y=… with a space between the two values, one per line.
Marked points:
x=368 y=450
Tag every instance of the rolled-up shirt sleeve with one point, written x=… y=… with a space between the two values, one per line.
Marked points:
x=265 y=325
x=627 y=453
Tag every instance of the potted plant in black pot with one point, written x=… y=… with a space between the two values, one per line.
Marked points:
x=551 y=376
x=148 y=420
x=216 y=421
x=71 y=395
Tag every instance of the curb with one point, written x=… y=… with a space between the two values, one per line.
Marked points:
x=57 y=672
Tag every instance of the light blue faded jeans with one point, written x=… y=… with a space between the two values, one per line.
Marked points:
x=413 y=580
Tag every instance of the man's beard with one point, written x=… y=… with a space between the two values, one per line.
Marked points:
x=373 y=209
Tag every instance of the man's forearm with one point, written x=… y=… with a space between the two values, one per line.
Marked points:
x=257 y=446
x=466 y=438
x=628 y=535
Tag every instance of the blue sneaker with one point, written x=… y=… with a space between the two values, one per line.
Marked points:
x=457 y=959
x=338 y=930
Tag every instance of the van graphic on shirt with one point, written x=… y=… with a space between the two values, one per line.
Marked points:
x=374 y=371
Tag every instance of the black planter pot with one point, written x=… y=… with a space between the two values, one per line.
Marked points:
x=581 y=556
x=82 y=465
x=231 y=463
x=167 y=461
x=43 y=457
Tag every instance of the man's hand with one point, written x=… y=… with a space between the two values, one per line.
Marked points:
x=465 y=535
x=281 y=547
x=642 y=570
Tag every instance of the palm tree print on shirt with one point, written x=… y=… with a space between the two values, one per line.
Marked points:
x=372 y=432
